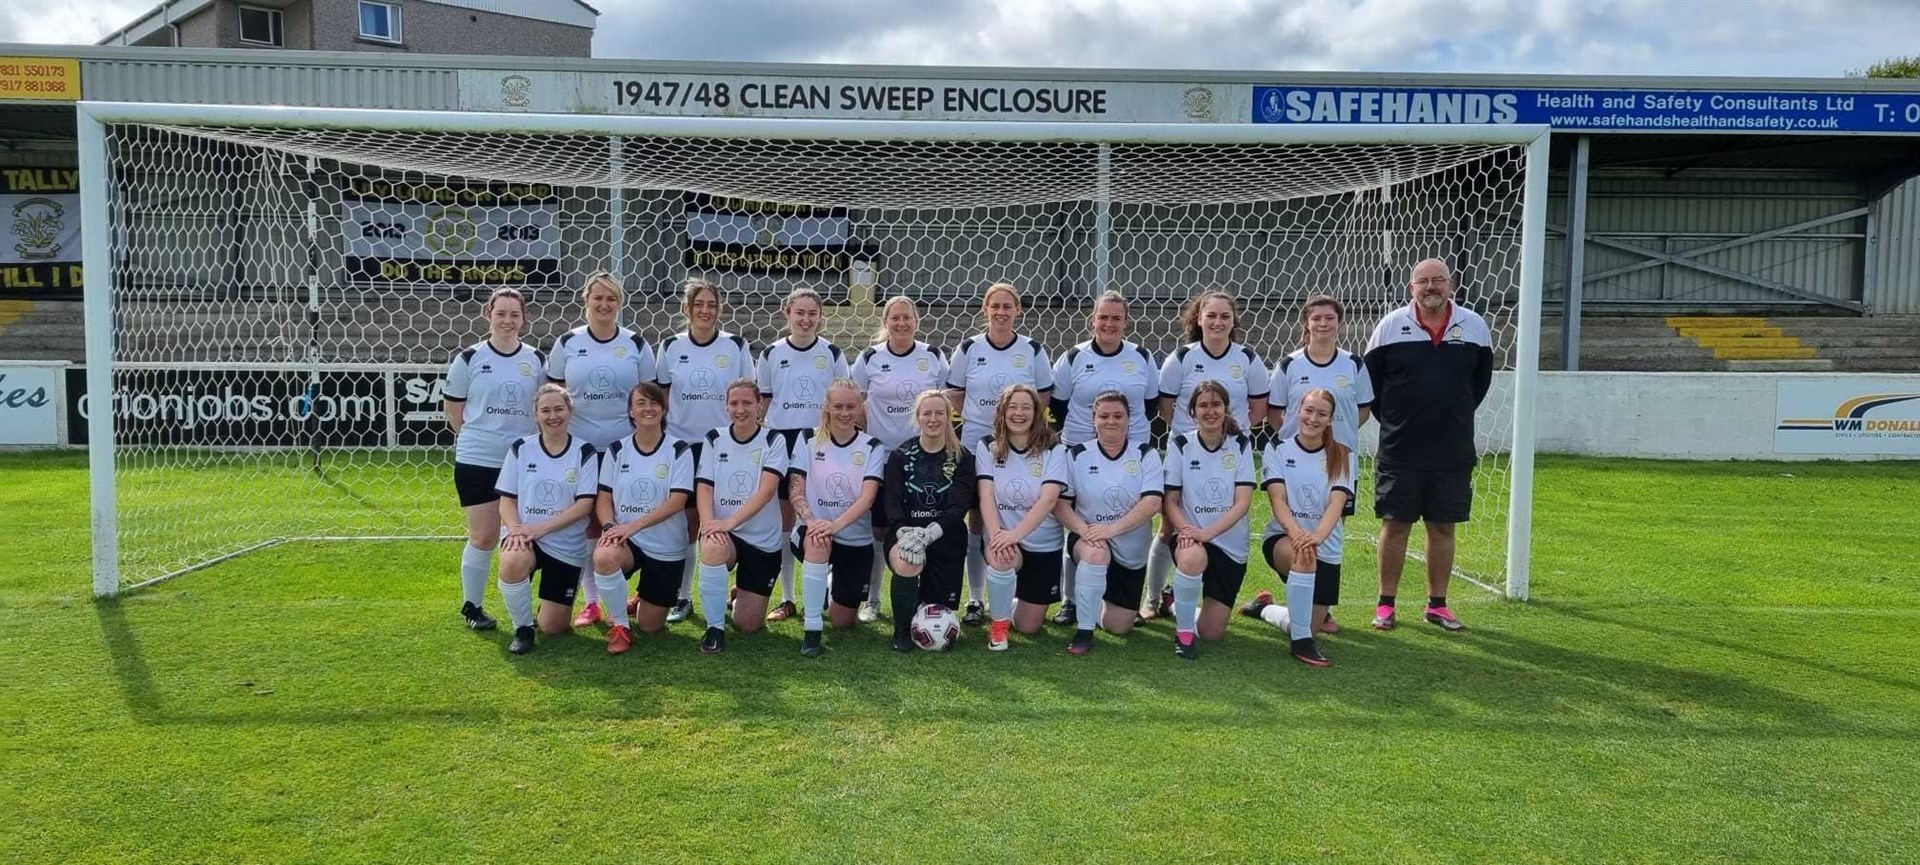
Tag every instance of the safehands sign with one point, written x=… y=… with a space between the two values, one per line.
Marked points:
x=1594 y=110
x=1878 y=416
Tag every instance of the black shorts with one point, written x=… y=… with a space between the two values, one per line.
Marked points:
x=1410 y=495
x=788 y=438
x=1123 y=582
x=754 y=570
x=1326 y=575
x=474 y=484
x=559 y=581
x=1038 y=580
x=659 y=583
x=852 y=570
x=1222 y=579
x=942 y=577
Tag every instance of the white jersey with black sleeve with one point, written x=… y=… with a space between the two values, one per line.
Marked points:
x=1238 y=368
x=1103 y=487
x=1018 y=481
x=640 y=482
x=497 y=390
x=1207 y=480
x=542 y=484
x=1304 y=474
x=1085 y=372
x=892 y=382
x=836 y=472
x=733 y=469
x=696 y=375
x=794 y=381
x=1344 y=375
x=980 y=370
x=600 y=373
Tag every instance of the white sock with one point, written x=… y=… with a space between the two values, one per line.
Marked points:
x=879 y=575
x=976 y=568
x=519 y=598
x=813 y=592
x=1186 y=601
x=1000 y=594
x=1086 y=599
x=1276 y=615
x=1069 y=569
x=475 y=567
x=1300 y=604
x=786 y=571
x=1159 y=565
x=713 y=594
x=688 y=570
x=589 y=593
x=613 y=587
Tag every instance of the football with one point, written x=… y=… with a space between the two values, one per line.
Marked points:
x=935 y=628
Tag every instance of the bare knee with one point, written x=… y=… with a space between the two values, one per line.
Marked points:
x=515 y=566
x=715 y=550
x=1190 y=559
x=1394 y=531
x=1442 y=532
x=608 y=560
x=483 y=541
x=1091 y=553
x=817 y=550
x=1003 y=560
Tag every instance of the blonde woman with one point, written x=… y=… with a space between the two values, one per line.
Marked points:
x=930 y=485
x=893 y=372
x=794 y=375
x=547 y=489
x=1310 y=480
x=742 y=466
x=833 y=482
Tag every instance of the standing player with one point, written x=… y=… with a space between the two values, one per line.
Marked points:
x=834 y=477
x=1209 y=488
x=1105 y=362
x=1309 y=479
x=695 y=366
x=600 y=362
x=893 y=372
x=742 y=466
x=1431 y=362
x=547 y=489
x=489 y=404
x=1021 y=475
x=930 y=485
x=982 y=368
x=1211 y=324
x=646 y=480
x=1113 y=490
x=1321 y=363
x=794 y=375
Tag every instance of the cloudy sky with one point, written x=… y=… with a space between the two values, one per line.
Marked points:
x=1811 y=38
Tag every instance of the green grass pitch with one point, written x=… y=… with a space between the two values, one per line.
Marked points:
x=1722 y=664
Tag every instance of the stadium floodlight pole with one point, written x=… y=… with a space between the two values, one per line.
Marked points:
x=97 y=309
x=1526 y=367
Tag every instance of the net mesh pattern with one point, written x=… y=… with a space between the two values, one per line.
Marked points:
x=287 y=300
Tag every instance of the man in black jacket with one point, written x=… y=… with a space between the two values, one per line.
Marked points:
x=1431 y=362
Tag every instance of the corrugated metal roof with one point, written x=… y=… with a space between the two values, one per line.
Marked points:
x=140 y=79
x=1895 y=288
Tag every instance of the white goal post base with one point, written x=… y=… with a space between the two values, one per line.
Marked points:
x=1119 y=198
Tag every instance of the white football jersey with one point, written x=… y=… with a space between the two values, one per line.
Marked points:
x=981 y=370
x=1084 y=373
x=1017 y=484
x=543 y=484
x=600 y=375
x=733 y=469
x=1103 y=488
x=1238 y=368
x=892 y=382
x=794 y=381
x=836 y=473
x=640 y=481
x=1207 y=481
x=696 y=376
x=498 y=392
x=1345 y=376
x=1304 y=473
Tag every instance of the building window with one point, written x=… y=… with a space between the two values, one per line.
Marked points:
x=261 y=26
x=379 y=21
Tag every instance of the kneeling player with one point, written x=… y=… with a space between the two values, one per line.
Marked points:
x=741 y=467
x=1310 y=479
x=930 y=486
x=1209 y=489
x=1113 y=490
x=833 y=481
x=547 y=489
x=645 y=479
x=1021 y=475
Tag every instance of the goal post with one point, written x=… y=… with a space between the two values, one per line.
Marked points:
x=1269 y=211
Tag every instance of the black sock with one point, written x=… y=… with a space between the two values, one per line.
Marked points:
x=1386 y=600
x=1436 y=600
x=905 y=594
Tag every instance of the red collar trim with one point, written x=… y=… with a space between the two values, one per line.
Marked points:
x=1435 y=334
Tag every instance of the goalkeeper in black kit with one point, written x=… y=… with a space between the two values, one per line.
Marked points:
x=928 y=489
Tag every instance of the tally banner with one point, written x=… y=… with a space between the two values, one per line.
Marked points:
x=451 y=232
x=40 y=255
x=740 y=236
x=1848 y=415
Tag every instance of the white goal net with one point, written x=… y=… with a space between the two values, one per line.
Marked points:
x=284 y=299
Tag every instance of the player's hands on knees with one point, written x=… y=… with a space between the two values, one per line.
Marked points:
x=1190 y=535
x=820 y=531
x=1097 y=534
x=1002 y=541
x=1305 y=551
x=613 y=537
x=517 y=540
